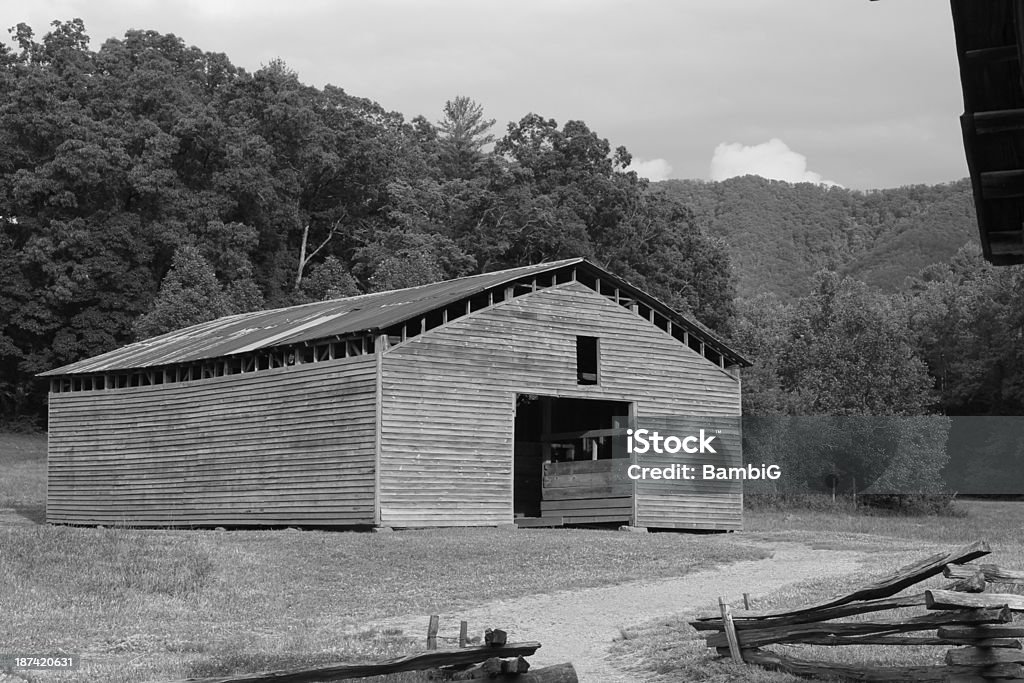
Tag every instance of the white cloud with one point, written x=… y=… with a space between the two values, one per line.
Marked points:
x=772 y=159
x=654 y=170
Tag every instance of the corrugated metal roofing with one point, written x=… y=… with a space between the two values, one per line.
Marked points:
x=319 y=320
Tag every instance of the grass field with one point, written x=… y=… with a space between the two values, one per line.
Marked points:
x=159 y=604
x=150 y=605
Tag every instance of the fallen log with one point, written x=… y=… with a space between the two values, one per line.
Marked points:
x=513 y=670
x=927 y=622
x=902 y=578
x=992 y=573
x=860 y=672
x=747 y=620
x=940 y=599
x=424 y=660
x=559 y=673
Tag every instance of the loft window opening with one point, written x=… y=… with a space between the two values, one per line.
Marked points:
x=587 y=354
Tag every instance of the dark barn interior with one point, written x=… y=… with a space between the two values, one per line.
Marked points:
x=549 y=429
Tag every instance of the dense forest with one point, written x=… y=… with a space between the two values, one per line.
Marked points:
x=147 y=185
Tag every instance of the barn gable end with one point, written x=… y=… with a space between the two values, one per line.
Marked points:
x=449 y=399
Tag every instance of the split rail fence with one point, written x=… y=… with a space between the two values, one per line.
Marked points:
x=980 y=624
x=495 y=659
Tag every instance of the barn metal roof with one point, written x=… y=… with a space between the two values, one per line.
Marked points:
x=990 y=45
x=366 y=313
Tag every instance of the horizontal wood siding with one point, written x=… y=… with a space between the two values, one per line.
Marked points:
x=698 y=502
x=287 y=446
x=579 y=490
x=449 y=395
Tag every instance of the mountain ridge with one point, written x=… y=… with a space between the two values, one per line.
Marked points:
x=779 y=233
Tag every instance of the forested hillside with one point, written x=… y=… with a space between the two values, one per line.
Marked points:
x=779 y=234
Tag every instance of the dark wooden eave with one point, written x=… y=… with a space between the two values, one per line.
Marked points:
x=989 y=48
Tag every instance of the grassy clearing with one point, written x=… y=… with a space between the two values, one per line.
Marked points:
x=151 y=605
x=23 y=474
x=670 y=650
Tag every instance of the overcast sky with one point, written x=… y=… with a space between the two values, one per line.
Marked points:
x=858 y=93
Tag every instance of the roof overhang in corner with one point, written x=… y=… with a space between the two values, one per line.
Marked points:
x=990 y=44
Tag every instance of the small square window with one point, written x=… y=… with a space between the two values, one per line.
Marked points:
x=587 y=354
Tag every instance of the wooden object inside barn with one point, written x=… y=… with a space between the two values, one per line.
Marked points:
x=487 y=400
x=989 y=45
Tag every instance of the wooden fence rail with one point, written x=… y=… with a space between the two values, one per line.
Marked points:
x=962 y=614
x=496 y=660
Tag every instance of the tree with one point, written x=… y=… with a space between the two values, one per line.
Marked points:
x=969 y=316
x=189 y=294
x=760 y=331
x=464 y=134
x=329 y=279
x=396 y=259
x=851 y=352
x=842 y=365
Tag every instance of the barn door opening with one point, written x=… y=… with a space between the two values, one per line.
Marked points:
x=550 y=429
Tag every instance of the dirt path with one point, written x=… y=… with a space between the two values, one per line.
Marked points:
x=579 y=626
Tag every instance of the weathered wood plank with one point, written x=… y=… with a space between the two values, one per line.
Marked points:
x=577 y=492
x=991 y=572
x=926 y=622
x=942 y=600
x=730 y=632
x=861 y=672
x=587 y=504
x=903 y=640
x=896 y=582
x=982 y=632
x=555 y=469
x=983 y=656
x=416 y=662
x=753 y=620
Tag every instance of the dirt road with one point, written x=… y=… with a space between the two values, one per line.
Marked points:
x=579 y=626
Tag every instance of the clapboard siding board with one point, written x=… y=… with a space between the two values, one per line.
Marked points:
x=448 y=399
x=288 y=446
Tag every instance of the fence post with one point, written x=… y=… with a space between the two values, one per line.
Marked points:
x=432 y=632
x=730 y=631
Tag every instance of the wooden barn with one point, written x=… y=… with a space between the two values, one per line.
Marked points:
x=487 y=400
